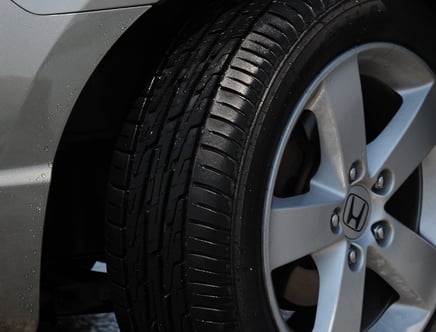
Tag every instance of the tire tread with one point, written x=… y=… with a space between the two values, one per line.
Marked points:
x=177 y=162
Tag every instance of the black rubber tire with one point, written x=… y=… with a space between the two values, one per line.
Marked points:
x=189 y=173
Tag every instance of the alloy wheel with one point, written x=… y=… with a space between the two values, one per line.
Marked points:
x=349 y=241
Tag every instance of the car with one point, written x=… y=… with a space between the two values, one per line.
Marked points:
x=218 y=165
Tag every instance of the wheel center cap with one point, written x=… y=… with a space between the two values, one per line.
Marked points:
x=356 y=212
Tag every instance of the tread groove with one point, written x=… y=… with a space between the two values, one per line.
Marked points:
x=177 y=166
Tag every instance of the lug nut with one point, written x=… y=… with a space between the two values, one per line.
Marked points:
x=353 y=174
x=379 y=233
x=335 y=220
x=380 y=184
x=352 y=257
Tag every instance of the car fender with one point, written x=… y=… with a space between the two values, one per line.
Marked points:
x=45 y=64
x=50 y=7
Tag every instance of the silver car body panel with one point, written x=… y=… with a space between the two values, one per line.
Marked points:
x=45 y=62
x=49 y=7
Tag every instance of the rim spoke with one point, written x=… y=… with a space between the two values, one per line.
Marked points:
x=300 y=225
x=400 y=317
x=339 y=111
x=407 y=139
x=407 y=264
x=341 y=291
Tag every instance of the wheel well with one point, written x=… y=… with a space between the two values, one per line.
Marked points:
x=74 y=225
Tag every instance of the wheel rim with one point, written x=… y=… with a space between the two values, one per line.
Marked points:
x=342 y=221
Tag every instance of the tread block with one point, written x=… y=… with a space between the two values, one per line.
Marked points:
x=178 y=159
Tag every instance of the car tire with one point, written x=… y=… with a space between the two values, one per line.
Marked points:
x=198 y=161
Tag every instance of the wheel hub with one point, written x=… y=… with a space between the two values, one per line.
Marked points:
x=356 y=212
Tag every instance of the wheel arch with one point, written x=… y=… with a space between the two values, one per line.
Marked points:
x=74 y=219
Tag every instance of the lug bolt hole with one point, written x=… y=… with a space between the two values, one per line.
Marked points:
x=335 y=222
x=382 y=233
x=355 y=172
x=354 y=257
x=383 y=183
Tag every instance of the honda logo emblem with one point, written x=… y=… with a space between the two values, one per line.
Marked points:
x=356 y=212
